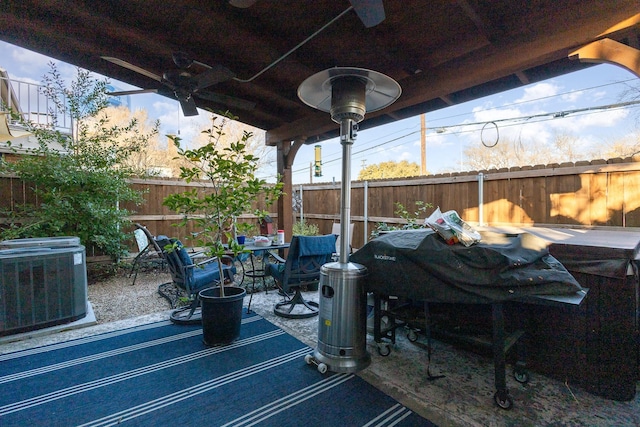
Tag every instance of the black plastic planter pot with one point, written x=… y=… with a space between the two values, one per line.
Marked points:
x=221 y=316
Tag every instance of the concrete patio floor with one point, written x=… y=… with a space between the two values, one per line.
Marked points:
x=463 y=397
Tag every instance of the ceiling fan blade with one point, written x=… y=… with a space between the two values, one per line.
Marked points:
x=212 y=76
x=228 y=101
x=132 y=67
x=132 y=92
x=370 y=12
x=242 y=4
x=189 y=107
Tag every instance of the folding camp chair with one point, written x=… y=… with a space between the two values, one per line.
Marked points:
x=148 y=251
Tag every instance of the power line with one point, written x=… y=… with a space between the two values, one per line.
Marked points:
x=556 y=115
x=517 y=121
x=519 y=103
x=540 y=99
x=338 y=153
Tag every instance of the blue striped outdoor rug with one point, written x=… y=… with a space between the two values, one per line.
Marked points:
x=162 y=374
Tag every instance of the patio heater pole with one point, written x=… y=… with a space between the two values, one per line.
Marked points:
x=347 y=93
x=348 y=129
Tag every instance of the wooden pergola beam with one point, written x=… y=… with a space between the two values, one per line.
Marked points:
x=611 y=52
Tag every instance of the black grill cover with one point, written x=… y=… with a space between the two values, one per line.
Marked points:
x=418 y=264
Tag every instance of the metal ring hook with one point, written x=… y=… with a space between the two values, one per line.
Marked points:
x=497 y=135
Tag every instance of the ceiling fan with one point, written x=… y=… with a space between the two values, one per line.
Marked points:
x=184 y=85
x=370 y=12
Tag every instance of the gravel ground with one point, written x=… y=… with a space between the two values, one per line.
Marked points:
x=115 y=298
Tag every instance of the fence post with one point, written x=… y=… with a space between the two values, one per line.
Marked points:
x=301 y=205
x=366 y=211
x=480 y=199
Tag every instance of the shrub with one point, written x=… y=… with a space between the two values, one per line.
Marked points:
x=80 y=184
x=302 y=228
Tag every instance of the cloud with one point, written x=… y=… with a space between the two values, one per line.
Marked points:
x=32 y=66
x=163 y=107
x=599 y=95
x=580 y=123
x=572 y=96
x=437 y=140
x=481 y=114
x=408 y=156
x=168 y=112
x=537 y=91
x=188 y=128
x=28 y=61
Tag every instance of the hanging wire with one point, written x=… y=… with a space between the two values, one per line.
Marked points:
x=515 y=121
x=296 y=47
x=497 y=135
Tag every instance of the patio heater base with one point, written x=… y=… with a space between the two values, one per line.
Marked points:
x=342 y=335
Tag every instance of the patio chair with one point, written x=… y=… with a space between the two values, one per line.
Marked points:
x=148 y=251
x=335 y=229
x=190 y=278
x=306 y=256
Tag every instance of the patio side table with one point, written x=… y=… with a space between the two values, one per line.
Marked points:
x=259 y=272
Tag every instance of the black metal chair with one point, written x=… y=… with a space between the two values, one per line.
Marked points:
x=148 y=251
x=190 y=277
x=307 y=254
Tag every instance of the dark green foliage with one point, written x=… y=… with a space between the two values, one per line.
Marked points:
x=79 y=180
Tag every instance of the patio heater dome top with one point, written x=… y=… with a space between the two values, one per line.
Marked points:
x=348 y=93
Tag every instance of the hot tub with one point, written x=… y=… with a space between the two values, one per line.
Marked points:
x=43 y=282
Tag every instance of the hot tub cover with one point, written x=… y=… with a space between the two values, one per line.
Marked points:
x=504 y=266
x=605 y=253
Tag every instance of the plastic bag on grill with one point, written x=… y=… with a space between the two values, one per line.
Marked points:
x=452 y=228
x=438 y=224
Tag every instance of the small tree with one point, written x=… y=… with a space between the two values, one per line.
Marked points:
x=390 y=169
x=228 y=171
x=79 y=179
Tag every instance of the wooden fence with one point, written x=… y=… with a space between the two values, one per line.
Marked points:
x=585 y=194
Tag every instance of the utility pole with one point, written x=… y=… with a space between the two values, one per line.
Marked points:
x=423 y=145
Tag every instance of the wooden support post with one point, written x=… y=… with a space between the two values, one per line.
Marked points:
x=287 y=151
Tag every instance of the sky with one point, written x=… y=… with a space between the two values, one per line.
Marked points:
x=531 y=114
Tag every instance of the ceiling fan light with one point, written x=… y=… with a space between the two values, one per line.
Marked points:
x=182 y=60
x=182 y=95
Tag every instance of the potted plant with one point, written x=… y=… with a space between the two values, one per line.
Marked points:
x=227 y=171
x=411 y=219
x=242 y=229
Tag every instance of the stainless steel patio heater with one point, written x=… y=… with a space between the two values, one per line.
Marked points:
x=347 y=94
